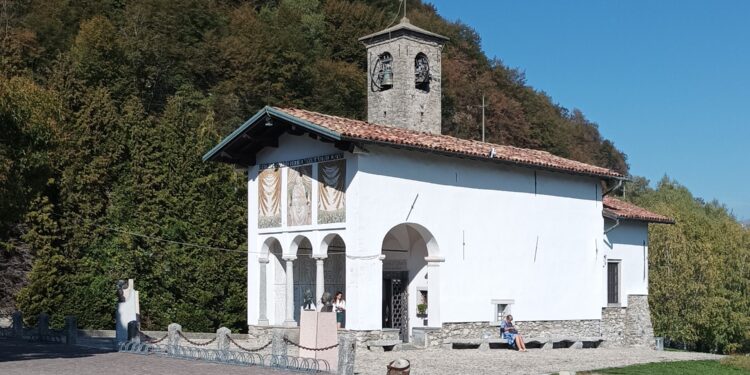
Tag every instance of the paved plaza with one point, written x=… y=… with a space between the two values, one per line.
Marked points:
x=21 y=357
x=504 y=361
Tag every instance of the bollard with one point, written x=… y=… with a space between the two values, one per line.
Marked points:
x=347 y=352
x=18 y=324
x=222 y=338
x=134 y=330
x=173 y=337
x=43 y=325
x=71 y=330
x=278 y=345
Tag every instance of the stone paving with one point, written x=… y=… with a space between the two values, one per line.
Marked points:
x=504 y=361
x=21 y=357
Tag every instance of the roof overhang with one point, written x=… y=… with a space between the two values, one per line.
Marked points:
x=261 y=131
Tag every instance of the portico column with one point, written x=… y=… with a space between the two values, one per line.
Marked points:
x=289 y=321
x=433 y=291
x=319 y=279
x=262 y=299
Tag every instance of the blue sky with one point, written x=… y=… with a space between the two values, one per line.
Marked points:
x=667 y=81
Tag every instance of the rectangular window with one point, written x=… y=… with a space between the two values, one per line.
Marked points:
x=613 y=283
x=501 y=308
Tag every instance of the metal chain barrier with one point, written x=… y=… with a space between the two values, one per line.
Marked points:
x=196 y=343
x=238 y=358
x=246 y=349
x=286 y=339
x=151 y=340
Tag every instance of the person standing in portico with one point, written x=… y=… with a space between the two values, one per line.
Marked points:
x=339 y=305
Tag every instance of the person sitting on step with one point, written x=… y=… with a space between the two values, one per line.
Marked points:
x=510 y=333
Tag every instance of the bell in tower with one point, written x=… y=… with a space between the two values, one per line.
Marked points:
x=403 y=62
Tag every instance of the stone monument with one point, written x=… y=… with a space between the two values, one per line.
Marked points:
x=317 y=330
x=128 y=309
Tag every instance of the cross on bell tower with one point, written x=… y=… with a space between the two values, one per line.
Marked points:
x=403 y=81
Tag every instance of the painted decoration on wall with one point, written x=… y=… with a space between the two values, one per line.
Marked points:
x=269 y=198
x=299 y=196
x=331 y=192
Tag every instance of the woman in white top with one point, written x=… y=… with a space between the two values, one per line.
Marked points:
x=339 y=305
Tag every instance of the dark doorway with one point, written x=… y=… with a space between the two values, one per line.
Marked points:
x=396 y=302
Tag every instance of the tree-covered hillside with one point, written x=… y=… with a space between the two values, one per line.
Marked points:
x=106 y=107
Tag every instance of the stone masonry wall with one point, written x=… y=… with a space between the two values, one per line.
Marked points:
x=403 y=105
x=638 y=328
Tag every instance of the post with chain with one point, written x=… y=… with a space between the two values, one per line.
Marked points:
x=18 y=324
x=173 y=334
x=222 y=338
x=71 y=330
x=347 y=352
x=134 y=330
x=278 y=346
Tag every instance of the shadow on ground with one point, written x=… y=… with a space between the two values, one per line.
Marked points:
x=21 y=350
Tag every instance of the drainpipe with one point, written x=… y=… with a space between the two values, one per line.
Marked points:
x=620 y=181
x=617 y=222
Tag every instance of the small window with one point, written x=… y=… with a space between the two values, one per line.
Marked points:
x=422 y=75
x=613 y=283
x=500 y=309
x=381 y=77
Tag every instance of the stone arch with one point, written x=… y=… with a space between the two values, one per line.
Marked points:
x=408 y=249
x=381 y=77
x=422 y=76
x=303 y=271
x=270 y=244
x=333 y=249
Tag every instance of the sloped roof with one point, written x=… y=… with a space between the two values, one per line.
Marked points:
x=402 y=28
x=617 y=209
x=235 y=147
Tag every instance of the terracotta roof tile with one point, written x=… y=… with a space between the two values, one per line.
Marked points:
x=363 y=131
x=625 y=210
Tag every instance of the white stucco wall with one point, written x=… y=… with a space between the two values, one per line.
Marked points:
x=506 y=233
x=628 y=244
x=486 y=219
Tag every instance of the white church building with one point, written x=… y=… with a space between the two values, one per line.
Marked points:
x=427 y=235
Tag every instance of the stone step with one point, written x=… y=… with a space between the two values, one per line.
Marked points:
x=97 y=343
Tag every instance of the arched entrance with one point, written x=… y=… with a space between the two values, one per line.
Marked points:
x=277 y=276
x=407 y=248
x=304 y=274
x=333 y=249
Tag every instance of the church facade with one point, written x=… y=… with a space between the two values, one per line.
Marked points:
x=431 y=235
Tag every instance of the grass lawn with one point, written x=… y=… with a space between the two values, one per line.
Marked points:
x=729 y=366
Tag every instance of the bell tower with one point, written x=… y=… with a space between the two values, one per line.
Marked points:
x=403 y=80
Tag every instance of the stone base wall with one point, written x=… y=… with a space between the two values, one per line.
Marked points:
x=362 y=337
x=619 y=326
x=613 y=326
x=560 y=328
x=638 y=328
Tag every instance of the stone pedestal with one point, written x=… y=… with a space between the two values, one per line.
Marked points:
x=173 y=337
x=318 y=330
x=278 y=346
x=222 y=338
x=347 y=353
x=128 y=310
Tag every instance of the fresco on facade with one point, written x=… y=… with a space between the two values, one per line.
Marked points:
x=331 y=194
x=299 y=196
x=269 y=198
